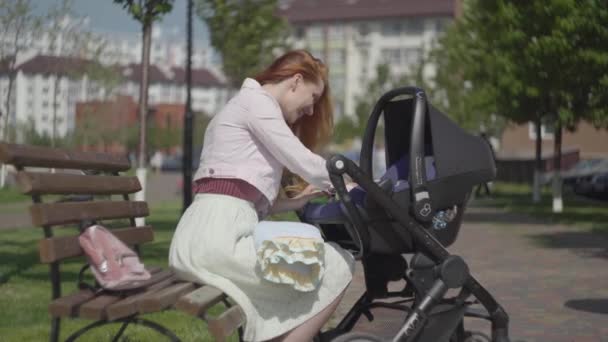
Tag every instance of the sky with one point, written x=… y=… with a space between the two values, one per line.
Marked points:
x=108 y=17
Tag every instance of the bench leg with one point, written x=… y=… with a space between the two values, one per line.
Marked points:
x=126 y=321
x=55 y=325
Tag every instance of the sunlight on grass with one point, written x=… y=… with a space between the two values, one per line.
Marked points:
x=578 y=211
x=11 y=195
x=25 y=288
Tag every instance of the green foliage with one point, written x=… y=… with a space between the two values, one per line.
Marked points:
x=526 y=60
x=146 y=11
x=351 y=127
x=28 y=134
x=246 y=33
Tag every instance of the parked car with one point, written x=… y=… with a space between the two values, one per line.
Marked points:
x=595 y=186
x=584 y=169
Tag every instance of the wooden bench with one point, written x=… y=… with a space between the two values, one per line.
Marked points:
x=90 y=183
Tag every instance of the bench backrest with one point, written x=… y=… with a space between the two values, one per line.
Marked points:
x=90 y=189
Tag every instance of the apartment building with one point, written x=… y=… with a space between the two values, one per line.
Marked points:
x=47 y=88
x=354 y=36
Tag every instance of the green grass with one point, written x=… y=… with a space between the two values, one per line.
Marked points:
x=25 y=288
x=578 y=211
x=11 y=195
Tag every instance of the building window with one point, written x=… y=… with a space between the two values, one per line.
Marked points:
x=391 y=56
x=317 y=53
x=411 y=55
x=336 y=32
x=314 y=32
x=337 y=57
x=363 y=29
x=391 y=28
x=414 y=26
x=300 y=32
x=547 y=130
x=441 y=24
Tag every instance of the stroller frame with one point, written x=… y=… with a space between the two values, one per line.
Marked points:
x=433 y=270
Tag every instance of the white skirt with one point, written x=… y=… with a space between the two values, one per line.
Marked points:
x=214 y=244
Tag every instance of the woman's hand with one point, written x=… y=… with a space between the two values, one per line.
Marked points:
x=307 y=195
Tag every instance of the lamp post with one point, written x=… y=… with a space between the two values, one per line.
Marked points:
x=188 y=117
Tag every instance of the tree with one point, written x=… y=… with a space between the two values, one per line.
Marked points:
x=146 y=12
x=245 y=32
x=534 y=61
x=350 y=127
x=68 y=37
x=18 y=26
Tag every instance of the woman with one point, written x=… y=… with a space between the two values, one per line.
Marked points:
x=273 y=123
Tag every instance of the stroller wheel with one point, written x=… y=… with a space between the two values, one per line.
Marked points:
x=357 y=337
x=476 y=336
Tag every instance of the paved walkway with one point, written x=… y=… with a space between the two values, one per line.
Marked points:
x=551 y=279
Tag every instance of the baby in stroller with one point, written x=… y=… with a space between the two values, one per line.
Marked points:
x=415 y=208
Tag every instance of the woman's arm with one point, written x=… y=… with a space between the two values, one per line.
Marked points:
x=298 y=202
x=265 y=121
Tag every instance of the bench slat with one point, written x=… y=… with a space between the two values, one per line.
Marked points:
x=164 y=298
x=63 y=213
x=128 y=306
x=63 y=247
x=67 y=306
x=38 y=156
x=34 y=183
x=227 y=323
x=197 y=302
x=95 y=308
x=85 y=301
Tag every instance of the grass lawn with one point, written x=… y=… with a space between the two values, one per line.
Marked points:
x=11 y=195
x=578 y=211
x=25 y=288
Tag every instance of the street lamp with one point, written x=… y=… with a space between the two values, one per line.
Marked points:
x=188 y=117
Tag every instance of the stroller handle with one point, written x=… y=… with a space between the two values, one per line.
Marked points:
x=417 y=173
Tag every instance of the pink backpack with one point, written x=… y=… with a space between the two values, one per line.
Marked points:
x=114 y=265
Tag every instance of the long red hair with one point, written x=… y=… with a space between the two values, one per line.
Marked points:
x=314 y=131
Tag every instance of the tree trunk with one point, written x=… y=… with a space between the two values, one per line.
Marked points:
x=55 y=95
x=538 y=164
x=143 y=114
x=558 y=205
x=143 y=93
x=5 y=135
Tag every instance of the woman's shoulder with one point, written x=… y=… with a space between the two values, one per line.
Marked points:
x=258 y=102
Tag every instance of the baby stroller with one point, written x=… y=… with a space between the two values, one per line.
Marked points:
x=416 y=208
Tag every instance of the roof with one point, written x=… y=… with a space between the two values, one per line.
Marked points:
x=132 y=72
x=41 y=64
x=200 y=77
x=302 y=11
x=62 y=65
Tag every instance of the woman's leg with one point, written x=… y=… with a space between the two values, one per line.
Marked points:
x=307 y=330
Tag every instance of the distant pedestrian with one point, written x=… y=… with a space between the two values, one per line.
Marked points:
x=156 y=162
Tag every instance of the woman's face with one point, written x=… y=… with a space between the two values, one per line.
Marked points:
x=300 y=98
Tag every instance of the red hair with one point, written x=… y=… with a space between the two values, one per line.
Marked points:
x=313 y=130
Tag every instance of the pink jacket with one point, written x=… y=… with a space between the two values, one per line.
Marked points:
x=249 y=139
